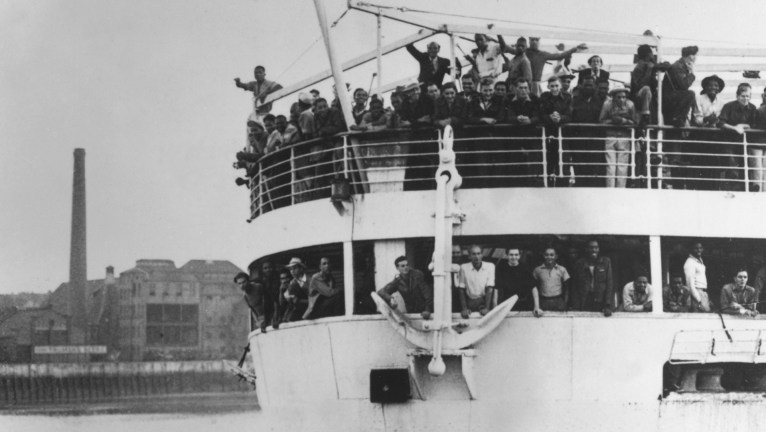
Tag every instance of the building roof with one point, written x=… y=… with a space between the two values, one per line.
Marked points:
x=210 y=266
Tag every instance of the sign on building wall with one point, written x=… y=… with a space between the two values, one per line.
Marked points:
x=71 y=349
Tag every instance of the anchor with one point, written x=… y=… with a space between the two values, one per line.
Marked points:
x=442 y=334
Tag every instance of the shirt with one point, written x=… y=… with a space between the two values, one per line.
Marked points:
x=586 y=109
x=634 y=301
x=627 y=112
x=260 y=91
x=678 y=78
x=519 y=67
x=474 y=281
x=512 y=281
x=675 y=301
x=320 y=285
x=694 y=270
x=734 y=113
x=733 y=300
x=489 y=63
x=550 y=281
x=417 y=294
x=529 y=107
x=538 y=59
x=705 y=107
x=562 y=103
x=642 y=76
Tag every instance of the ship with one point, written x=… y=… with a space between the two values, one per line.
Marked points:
x=369 y=197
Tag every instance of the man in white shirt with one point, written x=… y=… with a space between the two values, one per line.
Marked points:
x=487 y=58
x=637 y=295
x=709 y=105
x=696 y=279
x=476 y=284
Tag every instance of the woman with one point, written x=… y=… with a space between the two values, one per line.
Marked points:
x=594 y=71
x=736 y=117
x=359 y=109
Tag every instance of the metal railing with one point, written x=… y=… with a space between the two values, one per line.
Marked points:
x=572 y=155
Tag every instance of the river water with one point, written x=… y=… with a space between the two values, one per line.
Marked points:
x=230 y=413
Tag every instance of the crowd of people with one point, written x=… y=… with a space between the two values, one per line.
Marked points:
x=480 y=285
x=505 y=86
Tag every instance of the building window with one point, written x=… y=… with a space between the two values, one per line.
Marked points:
x=152 y=289
x=171 y=325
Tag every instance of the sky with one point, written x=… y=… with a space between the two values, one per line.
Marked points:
x=146 y=88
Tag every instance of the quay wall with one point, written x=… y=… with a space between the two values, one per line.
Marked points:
x=98 y=382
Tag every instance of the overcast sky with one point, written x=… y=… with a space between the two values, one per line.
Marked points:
x=146 y=87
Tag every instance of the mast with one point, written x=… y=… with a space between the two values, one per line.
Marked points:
x=335 y=66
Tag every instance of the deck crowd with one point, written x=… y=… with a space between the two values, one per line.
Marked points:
x=478 y=286
x=505 y=86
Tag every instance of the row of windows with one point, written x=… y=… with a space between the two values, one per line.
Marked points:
x=172 y=313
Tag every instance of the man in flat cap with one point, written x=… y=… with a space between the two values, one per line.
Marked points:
x=297 y=294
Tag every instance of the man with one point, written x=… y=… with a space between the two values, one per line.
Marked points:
x=488 y=109
x=555 y=110
x=501 y=90
x=416 y=108
x=738 y=298
x=487 y=58
x=676 y=295
x=325 y=298
x=270 y=281
x=270 y=123
x=519 y=66
x=305 y=117
x=696 y=279
x=677 y=99
x=602 y=90
x=451 y=109
x=760 y=282
x=261 y=88
x=594 y=71
x=594 y=285
x=709 y=105
x=618 y=111
x=514 y=279
x=737 y=117
x=376 y=119
x=284 y=284
x=469 y=88
x=432 y=67
x=284 y=134
x=297 y=294
x=586 y=108
x=637 y=295
x=643 y=83
x=328 y=120
x=476 y=283
x=538 y=59
x=523 y=110
x=566 y=83
x=410 y=284
x=553 y=282
x=255 y=298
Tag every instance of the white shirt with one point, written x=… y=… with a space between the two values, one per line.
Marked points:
x=475 y=281
x=490 y=62
x=694 y=270
x=705 y=107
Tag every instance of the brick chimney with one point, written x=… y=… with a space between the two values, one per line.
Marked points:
x=109 y=279
x=78 y=264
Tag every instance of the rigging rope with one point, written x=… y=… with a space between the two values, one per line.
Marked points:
x=300 y=56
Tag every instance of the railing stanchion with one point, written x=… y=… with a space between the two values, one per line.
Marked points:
x=745 y=170
x=345 y=156
x=561 y=155
x=545 y=158
x=260 y=187
x=633 y=153
x=648 y=158
x=292 y=175
x=662 y=159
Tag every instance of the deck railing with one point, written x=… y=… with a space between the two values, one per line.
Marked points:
x=572 y=155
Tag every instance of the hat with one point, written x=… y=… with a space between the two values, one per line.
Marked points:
x=295 y=262
x=306 y=98
x=565 y=74
x=618 y=88
x=715 y=78
x=411 y=86
x=689 y=50
x=241 y=275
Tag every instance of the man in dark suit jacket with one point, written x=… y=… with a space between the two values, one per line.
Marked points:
x=432 y=67
x=595 y=71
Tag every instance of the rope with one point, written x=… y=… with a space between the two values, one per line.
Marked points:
x=300 y=56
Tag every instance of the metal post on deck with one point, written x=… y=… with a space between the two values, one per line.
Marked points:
x=260 y=187
x=292 y=175
x=335 y=65
x=745 y=169
x=633 y=153
x=345 y=156
x=662 y=160
x=454 y=70
x=380 y=51
x=655 y=260
x=561 y=154
x=545 y=158
x=648 y=159
x=348 y=277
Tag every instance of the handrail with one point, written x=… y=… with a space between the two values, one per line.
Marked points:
x=505 y=155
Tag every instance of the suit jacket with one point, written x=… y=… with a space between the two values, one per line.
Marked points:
x=585 y=73
x=457 y=112
x=429 y=73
